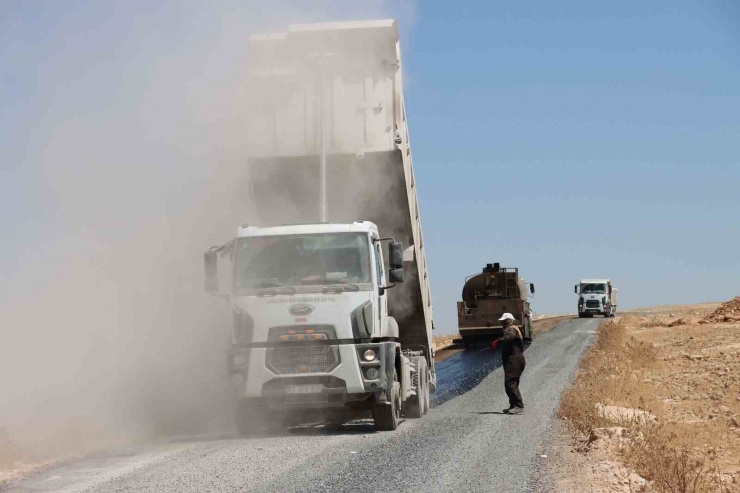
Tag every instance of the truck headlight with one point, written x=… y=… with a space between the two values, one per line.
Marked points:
x=369 y=355
x=603 y=299
x=239 y=360
x=372 y=373
x=237 y=378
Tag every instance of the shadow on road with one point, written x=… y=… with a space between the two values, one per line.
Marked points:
x=352 y=427
x=214 y=437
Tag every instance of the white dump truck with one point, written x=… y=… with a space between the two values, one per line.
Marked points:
x=596 y=297
x=323 y=324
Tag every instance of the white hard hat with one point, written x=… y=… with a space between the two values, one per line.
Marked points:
x=506 y=316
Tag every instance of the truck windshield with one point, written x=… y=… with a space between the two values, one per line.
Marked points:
x=302 y=260
x=593 y=288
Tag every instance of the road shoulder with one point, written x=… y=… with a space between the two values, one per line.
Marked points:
x=655 y=406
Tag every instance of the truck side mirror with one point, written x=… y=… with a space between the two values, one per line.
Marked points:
x=210 y=263
x=395 y=275
x=575 y=289
x=531 y=288
x=395 y=256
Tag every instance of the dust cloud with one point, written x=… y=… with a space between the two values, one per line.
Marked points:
x=108 y=337
x=366 y=181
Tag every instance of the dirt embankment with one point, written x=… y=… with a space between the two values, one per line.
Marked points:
x=695 y=309
x=444 y=341
x=727 y=312
x=656 y=406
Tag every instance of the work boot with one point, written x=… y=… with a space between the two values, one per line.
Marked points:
x=516 y=410
x=506 y=411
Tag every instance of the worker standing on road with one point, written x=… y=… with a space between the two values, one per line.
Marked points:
x=512 y=355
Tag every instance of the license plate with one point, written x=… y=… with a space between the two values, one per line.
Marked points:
x=304 y=389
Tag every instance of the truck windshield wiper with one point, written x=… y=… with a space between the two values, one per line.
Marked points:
x=344 y=283
x=267 y=285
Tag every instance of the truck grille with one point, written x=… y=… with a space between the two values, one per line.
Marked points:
x=302 y=359
x=592 y=303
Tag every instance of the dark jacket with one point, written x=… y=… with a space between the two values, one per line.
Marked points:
x=512 y=345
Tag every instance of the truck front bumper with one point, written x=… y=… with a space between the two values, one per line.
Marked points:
x=592 y=310
x=481 y=332
x=348 y=379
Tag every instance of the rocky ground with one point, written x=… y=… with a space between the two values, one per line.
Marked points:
x=578 y=464
x=691 y=390
x=666 y=309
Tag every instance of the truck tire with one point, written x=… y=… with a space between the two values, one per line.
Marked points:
x=387 y=413
x=426 y=390
x=246 y=419
x=243 y=425
x=416 y=406
x=528 y=336
x=251 y=420
x=337 y=420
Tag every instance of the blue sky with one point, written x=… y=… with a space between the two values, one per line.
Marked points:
x=579 y=139
x=569 y=139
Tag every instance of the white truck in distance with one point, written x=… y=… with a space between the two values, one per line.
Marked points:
x=317 y=330
x=597 y=297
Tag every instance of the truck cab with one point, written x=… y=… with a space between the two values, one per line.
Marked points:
x=311 y=334
x=318 y=324
x=596 y=297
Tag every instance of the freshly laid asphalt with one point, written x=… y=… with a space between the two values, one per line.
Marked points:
x=465 y=443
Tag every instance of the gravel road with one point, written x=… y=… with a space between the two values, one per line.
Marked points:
x=464 y=444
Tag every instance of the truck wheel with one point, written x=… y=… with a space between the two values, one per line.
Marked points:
x=337 y=420
x=426 y=390
x=424 y=400
x=416 y=405
x=253 y=420
x=243 y=426
x=245 y=419
x=387 y=413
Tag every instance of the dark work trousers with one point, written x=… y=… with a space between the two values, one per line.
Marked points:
x=513 y=369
